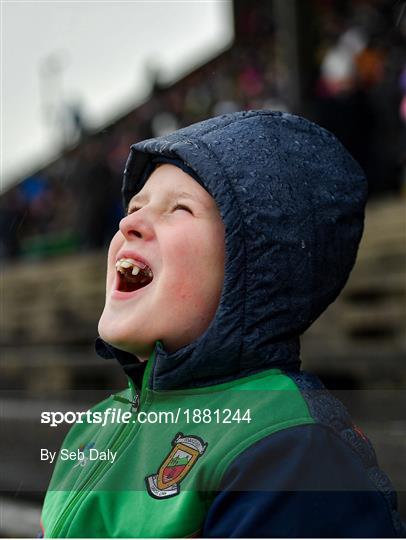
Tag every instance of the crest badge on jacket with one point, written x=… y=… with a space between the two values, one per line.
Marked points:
x=186 y=450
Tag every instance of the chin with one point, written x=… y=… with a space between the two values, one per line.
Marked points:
x=108 y=332
x=125 y=341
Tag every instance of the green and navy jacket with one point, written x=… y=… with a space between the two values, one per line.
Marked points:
x=254 y=447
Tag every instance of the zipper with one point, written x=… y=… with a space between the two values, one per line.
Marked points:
x=118 y=442
x=135 y=402
x=83 y=490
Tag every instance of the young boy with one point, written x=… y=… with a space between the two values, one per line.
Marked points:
x=240 y=231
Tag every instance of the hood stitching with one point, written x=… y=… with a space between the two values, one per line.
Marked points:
x=236 y=201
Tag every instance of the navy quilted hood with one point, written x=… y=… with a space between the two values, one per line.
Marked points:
x=292 y=200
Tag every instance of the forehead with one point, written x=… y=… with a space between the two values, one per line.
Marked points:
x=170 y=181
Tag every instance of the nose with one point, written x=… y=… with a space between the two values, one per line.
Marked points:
x=136 y=225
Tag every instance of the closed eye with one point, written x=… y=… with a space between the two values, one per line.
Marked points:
x=131 y=210
x=176 y=207
x=183 y=207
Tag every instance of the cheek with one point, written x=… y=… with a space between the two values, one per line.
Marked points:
x=182 y=284
x=115 y=245
x=191 y=265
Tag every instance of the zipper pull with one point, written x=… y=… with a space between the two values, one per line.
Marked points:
x=135 y=403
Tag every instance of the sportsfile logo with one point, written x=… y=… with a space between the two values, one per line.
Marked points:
x=110 y=416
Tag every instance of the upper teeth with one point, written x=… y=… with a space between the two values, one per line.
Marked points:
x=128 y=263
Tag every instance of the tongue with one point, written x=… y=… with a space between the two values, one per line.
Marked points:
x=129 y=283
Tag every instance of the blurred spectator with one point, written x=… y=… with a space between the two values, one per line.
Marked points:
x=95 y=192
x=12 y=213
x=37 y=194
x=338 y=67
x=402 y=115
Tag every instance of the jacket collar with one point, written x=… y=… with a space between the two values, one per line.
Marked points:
x=132 y=367
x=179 y=370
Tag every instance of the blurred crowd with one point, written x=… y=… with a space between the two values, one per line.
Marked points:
x=361 y=87
x=358 y=92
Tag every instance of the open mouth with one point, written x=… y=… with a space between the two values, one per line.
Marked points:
x=133 y=275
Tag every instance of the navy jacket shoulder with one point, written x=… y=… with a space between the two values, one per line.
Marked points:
x=301 y=482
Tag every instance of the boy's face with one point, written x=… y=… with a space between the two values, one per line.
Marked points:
x=173 y=226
